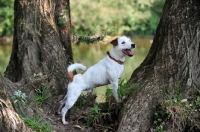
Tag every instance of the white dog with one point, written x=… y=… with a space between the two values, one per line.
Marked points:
x=106 y=71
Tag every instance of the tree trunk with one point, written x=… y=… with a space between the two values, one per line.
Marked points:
x=173 y=63
x=9 y=119
x=40 y=55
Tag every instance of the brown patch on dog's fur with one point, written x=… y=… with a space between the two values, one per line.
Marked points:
x=70 y=76
x=114 y=42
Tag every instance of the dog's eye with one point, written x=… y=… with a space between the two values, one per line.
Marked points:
x=123 y=42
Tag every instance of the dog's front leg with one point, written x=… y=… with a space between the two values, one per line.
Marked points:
x=114 y=90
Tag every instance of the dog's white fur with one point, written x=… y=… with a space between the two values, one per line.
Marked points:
x=106 y=71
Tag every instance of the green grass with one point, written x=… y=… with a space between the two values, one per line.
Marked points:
x=177 y=110
x=37 y=125
x=40 y=96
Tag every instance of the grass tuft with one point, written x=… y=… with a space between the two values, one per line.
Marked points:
x=37 y=125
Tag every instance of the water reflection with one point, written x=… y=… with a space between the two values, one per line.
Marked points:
x=5 y=52
x=91 y=54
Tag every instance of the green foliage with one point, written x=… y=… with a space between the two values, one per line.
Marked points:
x=197 y=101
x=62 y=19
x=96 y=109
x=89 y=120
x=6 y=17
x=123 y=90
x=178 y=111
x=108 y=92
x=37 y=125
x=89 y=40
x=40 y=96
x=80 y=102
x=160 y=129
x=139 y=17
x=132 y=17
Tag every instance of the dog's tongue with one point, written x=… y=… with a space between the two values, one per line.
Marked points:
x=128 y=52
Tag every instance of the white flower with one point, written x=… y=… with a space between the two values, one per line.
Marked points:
x=17 y=93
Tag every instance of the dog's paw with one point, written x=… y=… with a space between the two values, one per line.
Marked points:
x=65 y=122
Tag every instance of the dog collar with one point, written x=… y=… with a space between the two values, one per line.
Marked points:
x=118 y=61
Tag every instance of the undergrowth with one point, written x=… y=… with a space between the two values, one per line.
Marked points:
x=103 y=116
x=180 y=113
x=37 y=124
x=100 y=116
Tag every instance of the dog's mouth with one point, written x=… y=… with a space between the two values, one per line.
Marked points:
x=128 y=52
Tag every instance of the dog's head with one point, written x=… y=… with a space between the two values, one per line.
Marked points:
x=123 y=45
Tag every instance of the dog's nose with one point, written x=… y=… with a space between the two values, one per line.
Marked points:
x=132 y=45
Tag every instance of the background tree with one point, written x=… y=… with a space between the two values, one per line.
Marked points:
x=6 y=17
x=134 y=17
x=170 y=70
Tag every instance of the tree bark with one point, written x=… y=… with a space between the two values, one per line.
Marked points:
x=173 y=61
x=40 y=55
x=9 y=119
x=40 y=45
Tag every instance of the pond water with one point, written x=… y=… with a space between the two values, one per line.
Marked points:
x=5 y=52
x=91 y=54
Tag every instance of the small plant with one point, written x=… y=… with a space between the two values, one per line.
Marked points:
x=19 y=97
x=160 y=129
x=37 y=125
x=197 y=101
x=160 y=114
x=96 y=109
x=123 y=90
x=108 y=92
x=40 y=95
x=89 y=120
x=62 y=19
x=80 y=102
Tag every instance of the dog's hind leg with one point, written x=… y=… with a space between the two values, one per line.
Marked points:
x=70 y=101
x=61 y=104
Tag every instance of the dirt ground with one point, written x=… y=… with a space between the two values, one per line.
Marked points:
x=83 y=118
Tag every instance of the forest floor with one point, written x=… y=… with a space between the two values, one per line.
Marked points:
x=87 y=116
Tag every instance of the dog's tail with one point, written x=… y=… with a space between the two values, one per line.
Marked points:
x=73 y=67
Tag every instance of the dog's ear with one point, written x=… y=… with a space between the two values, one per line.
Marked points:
x=114 y=42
